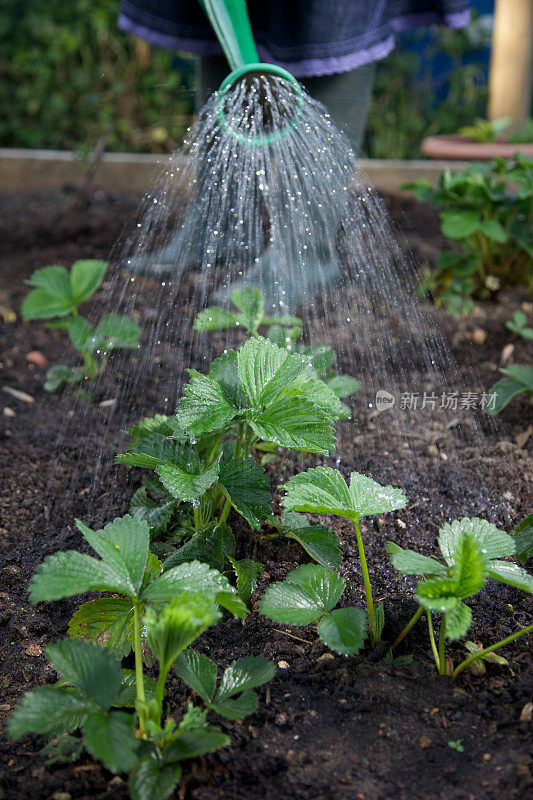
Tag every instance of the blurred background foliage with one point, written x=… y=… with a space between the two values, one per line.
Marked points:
x=69 y=79
x=68 y=76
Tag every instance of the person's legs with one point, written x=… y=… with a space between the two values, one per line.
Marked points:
x=347 y=98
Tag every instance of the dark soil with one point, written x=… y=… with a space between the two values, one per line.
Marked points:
x=327 y=726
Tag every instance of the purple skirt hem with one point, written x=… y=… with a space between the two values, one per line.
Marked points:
x=307 y=67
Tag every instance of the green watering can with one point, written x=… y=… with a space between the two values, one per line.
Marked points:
x=230 y=22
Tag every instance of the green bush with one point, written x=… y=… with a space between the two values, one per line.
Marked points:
x=68 y=76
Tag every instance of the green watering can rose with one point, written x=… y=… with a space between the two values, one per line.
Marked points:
x=230 y=22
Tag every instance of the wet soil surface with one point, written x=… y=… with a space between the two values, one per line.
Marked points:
x=327 y=727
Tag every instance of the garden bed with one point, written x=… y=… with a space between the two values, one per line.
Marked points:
x=327 y=726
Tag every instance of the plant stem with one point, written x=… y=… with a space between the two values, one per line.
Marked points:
x=91 y=367
x=442 y=657
x=414 y=619
x=225 y=512
x=366 y=579
x=197 y=518
x=432 y=641
x=481 y=653
x=238 y=442
x=139 y=675
x=248 y=440
x=160 y=690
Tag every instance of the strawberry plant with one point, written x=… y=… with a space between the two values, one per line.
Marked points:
x=518 y=324
x=56 y=295
x=517 y=380
x=309 y=594
x=163 y=613
x=473 y=551
x=240 y=678
x=491 y=224
x=203 y=458
x=285 y=331
x=323 y=490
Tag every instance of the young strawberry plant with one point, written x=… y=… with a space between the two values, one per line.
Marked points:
x=250 y=315
x=491 y=224
x=260 y=394
x=518 y=325
x=517 y=380
x=57 y=295
x=472 y=550
x=323 y=490
x=285 y=331
x=309 y=594
x=234 y=698
x=163 y=613
x=94 y=690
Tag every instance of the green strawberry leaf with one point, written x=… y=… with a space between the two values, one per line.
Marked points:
x=105 y=621
x=48 y=711
x=127 y=695
x=114 y=332
x=153 y=450
x=194 y=743
x=306 y=594
x=458 y=621
x=85 y=278
x=323 y=490
x=251 y=305
x=344 y=630
x=182 y=621
x=159 y=424
x=510 y=573
x=244 y=674
x=108 y=736
x=59 y=374
x=67 y=574
x=523 y=537
x=236 y=708
x=470 y=565
x=343 y=385
x=79 y=332
x=215 y=319
x=410 y=563
x=198 y=672
x=224 y=371
x=322 y=544
x=51 y=296
x=494 y=542
x=266 y=370
x=91 y=669
x=157 y=515
x=123 y=546
x=187 y=485
x=210 y=546
x=286 y=422
x=246 y=486
x=153 y=779
x=247 y=573
x=203 y=407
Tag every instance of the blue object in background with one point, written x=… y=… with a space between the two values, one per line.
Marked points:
x=438 y=68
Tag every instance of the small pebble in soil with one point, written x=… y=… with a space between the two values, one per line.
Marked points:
x=8 y=412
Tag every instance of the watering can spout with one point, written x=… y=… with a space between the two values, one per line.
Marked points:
x=231 y=24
